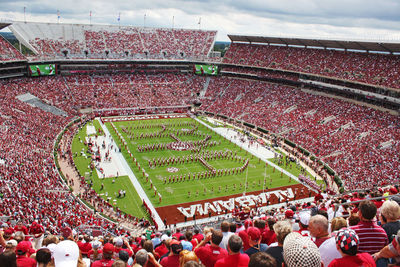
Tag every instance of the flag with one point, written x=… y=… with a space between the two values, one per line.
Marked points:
x=58 y=14
x=119 y=16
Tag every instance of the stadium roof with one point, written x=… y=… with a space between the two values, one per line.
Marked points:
x=387 y=47
x=4 y=24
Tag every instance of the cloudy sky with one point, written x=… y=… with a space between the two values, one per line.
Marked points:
x=342 y=19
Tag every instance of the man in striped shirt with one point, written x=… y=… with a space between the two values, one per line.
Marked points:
x=372 y=237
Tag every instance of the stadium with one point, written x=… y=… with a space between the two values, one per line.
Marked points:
x=112 y=129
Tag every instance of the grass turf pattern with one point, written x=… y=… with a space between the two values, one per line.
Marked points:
x=199 y=188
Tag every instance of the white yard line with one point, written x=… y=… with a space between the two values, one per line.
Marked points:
x=134 y=180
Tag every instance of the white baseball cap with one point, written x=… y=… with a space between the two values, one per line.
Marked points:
x=66 y=254
x=305 y=217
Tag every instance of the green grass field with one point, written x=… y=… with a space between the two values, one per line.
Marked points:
x=131 y=203
x=178 y=192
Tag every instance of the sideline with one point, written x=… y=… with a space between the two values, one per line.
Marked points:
x=133 y=179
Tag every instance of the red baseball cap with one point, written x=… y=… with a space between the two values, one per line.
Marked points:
x=23 y=247
x=289 y=213
x=108 y=248
x=254 y=233
x=8 y=232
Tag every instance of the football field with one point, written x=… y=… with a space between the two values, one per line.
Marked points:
x=176 y=161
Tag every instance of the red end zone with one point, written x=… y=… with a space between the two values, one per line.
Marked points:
x=217 y=206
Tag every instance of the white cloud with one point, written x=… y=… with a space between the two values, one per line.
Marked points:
x=358 y=19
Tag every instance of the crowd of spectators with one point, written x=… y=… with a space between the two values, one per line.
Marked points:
x=349 y=138
x=125 y=42
x=381 y=70
x=352 y=143
x=352 y=229
x=30 y=186
x=8 y=52
x=71 y=93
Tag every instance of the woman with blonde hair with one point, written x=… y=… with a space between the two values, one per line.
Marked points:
x=389 y=216
x=338 y=223
x=185 y=256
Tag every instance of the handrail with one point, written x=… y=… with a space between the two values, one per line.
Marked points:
x=358 y=201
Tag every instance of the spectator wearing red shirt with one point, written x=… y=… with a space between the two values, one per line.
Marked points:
x=209 y=254
x=234 y=258
x=303 y=223
x=372 y=237
x=37 y=231
x=66 y=231
x=162 y=249
x=318 y=227
x=107 y=260
x=198 y=235
x=23 y=259
x=21 y=228
x=85 y=247
x=243 y=234
x=318 y=196
x=178 y=234
x=118 y=243
x=269 y=236
x=96 y=253
x=173 y=258
x=346 y=243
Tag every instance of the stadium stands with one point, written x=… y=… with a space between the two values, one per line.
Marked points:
x=8 y=52
x=106 y=41
x=381 y=68
x=293 y=229
x=349 y=138
x=360 y=143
